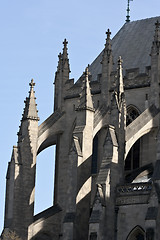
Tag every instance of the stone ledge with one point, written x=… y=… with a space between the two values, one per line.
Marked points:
x=47 y=213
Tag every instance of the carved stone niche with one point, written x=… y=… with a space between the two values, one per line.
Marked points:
x=150 y=234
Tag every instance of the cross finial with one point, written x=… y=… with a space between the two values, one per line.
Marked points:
x=65 y=42
x=108 y=34
x=32 y=84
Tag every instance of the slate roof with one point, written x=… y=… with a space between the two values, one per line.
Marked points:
x=133 y=43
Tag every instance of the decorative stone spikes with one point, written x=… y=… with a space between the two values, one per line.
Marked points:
x=85 y=95
x=30 y=110
x=108 y=48
x=156 y=42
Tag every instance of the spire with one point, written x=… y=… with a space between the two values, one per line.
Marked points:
x=85 y=95
x=59 y=67
x=128 y=10
x=108 y=40
x=107 y=65
x=108 y=48
x=61 y=78
x=30 y=110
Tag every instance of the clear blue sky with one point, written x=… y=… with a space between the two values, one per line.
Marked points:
x=32 y=33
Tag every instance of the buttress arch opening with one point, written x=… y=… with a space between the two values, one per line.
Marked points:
x=44 y=182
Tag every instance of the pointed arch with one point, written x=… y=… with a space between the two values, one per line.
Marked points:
x=137 y=233
x=132 y=113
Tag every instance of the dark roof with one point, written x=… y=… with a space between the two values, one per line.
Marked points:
x=133 y=43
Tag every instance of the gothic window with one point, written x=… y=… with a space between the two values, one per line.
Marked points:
x=132 y=114
x=136 y=234
x=133 y=157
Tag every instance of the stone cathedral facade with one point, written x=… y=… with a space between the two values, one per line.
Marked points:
x=106 y=128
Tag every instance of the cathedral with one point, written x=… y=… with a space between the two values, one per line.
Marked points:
x=106 y=129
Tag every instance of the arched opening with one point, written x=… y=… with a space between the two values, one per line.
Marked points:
x=44 y=187
x=132 y=114
x=132 y=161
x=136 y=234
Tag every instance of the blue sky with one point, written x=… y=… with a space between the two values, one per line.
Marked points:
x=32 y=33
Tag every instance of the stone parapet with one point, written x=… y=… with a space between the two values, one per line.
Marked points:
x=135 y=193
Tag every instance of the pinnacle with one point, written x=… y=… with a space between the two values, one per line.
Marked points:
x=59 y=55
x=157 y=31
x=108 y=40
x=87 y=73
x=108 y=34
x=120 y=85
x=59 y=61
x=65 y=60
x=85 y=95
x=157 y=24
x=107 y=52
x=65 y=54
x=30 y=110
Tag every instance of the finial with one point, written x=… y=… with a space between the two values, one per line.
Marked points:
x=108 y=34
x=108 y=40
x=65 y=42
x=120 y=61
x=65 y=54
x=128 y=10
x=86 y=72
x=32 y=84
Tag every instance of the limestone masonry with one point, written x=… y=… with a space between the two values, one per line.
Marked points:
x=106 y=128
